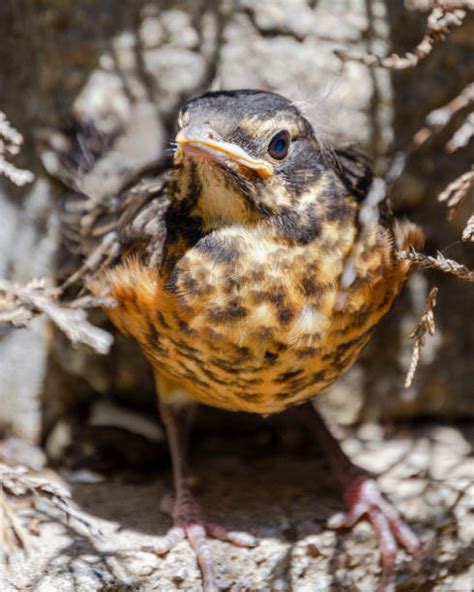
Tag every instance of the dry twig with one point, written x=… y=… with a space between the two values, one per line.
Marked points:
x=17 y=484
x=456 y=192
x=442 y=19
x=425 y=5
x=468 y=232
x=440 y=263
x=439 y=118
x=10 y=144
x=19 y=304
x=425 y=325
x=13 y=534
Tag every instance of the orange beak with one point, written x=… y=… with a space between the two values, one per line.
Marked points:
x=200 y=141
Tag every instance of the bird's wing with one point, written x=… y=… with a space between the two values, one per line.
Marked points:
x=354 y=169
x=107 y=211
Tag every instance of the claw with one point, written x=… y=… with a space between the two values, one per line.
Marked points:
x=174 y=536
x=189 y=524
x=364 y=500
x=240 y=539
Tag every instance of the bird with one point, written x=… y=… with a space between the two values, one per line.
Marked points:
x=228 y=262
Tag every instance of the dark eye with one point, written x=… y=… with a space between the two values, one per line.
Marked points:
x=279 y=145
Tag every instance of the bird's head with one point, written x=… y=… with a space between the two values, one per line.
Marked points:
x=246 y=155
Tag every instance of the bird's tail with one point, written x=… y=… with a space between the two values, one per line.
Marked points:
x=407 y=235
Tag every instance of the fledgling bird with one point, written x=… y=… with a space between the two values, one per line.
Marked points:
x=226 y=264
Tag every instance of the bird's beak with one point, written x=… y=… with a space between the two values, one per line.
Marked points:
x=202 y=142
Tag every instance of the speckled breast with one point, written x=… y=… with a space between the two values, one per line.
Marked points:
x=244 y=322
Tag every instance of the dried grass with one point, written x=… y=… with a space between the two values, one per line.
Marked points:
x=439 y=262
x=457 y=191
x=468 y=232
x=10 y=145
x=443 y=18
x=20 y=304
x=18 y=487
x=425 y=325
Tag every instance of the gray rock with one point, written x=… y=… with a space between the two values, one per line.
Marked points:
x=269 y=497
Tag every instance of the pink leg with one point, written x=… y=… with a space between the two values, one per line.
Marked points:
x=363 y=500
x=188 y=519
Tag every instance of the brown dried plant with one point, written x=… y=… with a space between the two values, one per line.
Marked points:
x=10 y=145
x=444 y=119
x=443 y=18
x=425 y=325
x=457 y=191
x=439 y=262
x=468 y=232
x=426 y=322
x=19 y=304
x=18 y=486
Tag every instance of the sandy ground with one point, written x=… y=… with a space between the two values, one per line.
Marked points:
x=285 y=501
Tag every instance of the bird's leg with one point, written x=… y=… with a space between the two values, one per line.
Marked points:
x=188 y=518
x=363 y=499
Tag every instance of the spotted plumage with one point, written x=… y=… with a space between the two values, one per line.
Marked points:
x=226 y=264
x=250 y=267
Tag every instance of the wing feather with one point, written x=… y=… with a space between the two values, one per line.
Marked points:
x=104 y=214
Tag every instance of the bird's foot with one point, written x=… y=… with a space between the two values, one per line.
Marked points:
x=189 y=523
x=363 y=499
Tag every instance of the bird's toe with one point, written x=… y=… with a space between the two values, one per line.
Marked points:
x=364 y=500
x=189 y=523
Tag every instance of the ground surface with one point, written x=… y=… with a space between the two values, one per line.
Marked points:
x=283 y=499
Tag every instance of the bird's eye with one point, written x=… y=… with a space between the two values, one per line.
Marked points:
x=279 y=145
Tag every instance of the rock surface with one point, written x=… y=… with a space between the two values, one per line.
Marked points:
x=282 y=498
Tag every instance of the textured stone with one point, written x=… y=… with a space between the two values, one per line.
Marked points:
x=283 y=500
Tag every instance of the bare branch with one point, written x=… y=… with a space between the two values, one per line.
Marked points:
x=462 y=136
x=17 y=176
x=468 y=232
x=16 y=484
x=425 y=5
x=10 y=143
x=12 y=531
x=19 y=304
x=441 y=21
x=457 y=191
x=439 y=118
x=62 y=501
x=440 y=263
x=425 y=325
